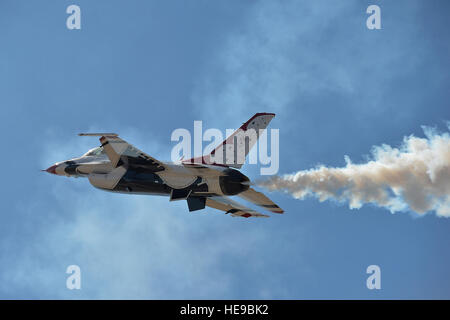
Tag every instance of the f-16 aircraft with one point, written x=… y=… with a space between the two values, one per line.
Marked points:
x=208 y=180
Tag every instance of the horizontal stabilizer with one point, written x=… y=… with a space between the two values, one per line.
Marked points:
x=229 y=206
x=261 y=200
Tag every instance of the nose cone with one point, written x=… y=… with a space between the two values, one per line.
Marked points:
x=58 y=168
x=52 y=169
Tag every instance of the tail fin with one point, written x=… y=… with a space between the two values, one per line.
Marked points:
x=233 y=151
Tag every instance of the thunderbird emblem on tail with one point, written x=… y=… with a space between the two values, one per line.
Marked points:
x=203 y=181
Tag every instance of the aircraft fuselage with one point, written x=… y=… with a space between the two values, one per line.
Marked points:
x=140 y=180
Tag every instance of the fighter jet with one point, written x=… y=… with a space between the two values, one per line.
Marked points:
x=208 y=180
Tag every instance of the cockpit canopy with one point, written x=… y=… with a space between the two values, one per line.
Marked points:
x=94 y=152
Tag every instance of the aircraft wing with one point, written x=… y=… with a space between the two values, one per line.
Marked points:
x=118 y=150
x=229 y=206
x=261 y=200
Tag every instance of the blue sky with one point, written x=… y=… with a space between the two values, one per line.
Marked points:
x=145 y=68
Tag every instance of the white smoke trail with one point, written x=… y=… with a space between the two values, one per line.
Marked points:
x=414 y=177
